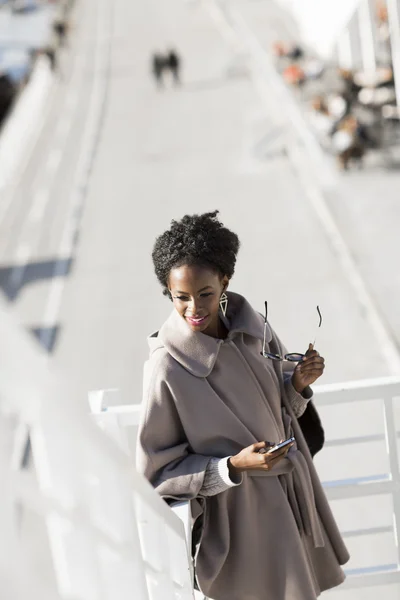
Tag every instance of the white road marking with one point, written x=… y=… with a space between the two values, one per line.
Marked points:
x=54 y=159
x=63 y=127
x=40 y=200
x=267 y=80
x=17 y=274
x=87 y=149
x=221 y=22
x=71 y=102
x=23 y=252
x=52 y=308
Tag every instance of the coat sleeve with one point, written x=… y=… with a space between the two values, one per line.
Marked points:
x=297 y=401
x=163 y=453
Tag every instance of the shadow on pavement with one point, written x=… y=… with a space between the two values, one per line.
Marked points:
x=14 y=277
x=46 y=336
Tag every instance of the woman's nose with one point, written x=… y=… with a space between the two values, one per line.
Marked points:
x=194 y=305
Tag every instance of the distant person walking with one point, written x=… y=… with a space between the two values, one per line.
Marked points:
x=158 y=64
x=61 y=28
x=174 y=64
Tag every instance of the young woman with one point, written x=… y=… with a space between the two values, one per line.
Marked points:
x=216 y=399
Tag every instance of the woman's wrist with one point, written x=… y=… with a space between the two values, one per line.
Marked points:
x=233 y=469
x=297 y=385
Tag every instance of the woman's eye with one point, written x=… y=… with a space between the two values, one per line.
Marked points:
x=183 y=298
x=206 y=294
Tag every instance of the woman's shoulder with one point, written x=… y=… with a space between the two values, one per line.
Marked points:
x=160 y=362
x=163 y=377
x=161 y=366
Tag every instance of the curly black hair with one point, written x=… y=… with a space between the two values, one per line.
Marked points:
x=195 y=240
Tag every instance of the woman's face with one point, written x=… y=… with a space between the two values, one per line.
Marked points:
x=196 y=292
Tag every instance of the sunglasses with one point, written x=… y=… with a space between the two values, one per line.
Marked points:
x=292 y=356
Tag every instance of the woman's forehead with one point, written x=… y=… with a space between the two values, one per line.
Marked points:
x=193 y=276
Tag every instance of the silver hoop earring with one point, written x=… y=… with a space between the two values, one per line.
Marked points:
x=223 y=303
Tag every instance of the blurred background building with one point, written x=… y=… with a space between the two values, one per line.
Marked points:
x=284 y=116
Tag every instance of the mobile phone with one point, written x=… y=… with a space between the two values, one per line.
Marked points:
x=280 y=445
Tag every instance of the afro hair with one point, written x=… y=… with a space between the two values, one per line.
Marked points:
x=195 y=240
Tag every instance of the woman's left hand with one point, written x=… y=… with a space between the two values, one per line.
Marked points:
x=308 y=370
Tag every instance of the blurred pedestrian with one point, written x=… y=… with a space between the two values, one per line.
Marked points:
x=286 y=50
x=60 y=28
x=173 y=62
x=349 y=143
x=294 y=75
x=158 y=64
x=350 y=87
x=320 y=117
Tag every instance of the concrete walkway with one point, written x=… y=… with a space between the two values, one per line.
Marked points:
x=162 y=154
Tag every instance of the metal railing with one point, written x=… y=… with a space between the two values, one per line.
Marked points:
x=383 y=393
x=77 y=520
x=121 y=423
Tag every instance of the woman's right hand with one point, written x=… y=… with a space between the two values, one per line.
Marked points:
x=251 y=458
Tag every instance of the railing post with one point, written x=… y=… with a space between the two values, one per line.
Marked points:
x=391 y=447
x=344 y=50
x=394 y=28
x=367 y=36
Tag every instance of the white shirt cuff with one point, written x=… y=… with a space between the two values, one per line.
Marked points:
x=217 y=478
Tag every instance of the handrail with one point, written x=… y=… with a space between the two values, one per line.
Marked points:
x=100 y=518
x=385 y=389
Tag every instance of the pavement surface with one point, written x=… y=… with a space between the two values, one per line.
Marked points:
x=161 y=154
x=118 y=158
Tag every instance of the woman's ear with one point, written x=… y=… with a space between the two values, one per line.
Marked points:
x=225 y=283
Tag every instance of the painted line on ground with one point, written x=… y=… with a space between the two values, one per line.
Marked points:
x=17 y=272
x=63 y=127
x=40 y=200
x=85 y=161
x=54 y=159
x=71 y=101
x=23 y=252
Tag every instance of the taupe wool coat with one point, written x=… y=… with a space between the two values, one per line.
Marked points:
x=273 y=537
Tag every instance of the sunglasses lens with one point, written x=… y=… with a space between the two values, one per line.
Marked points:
x=294 y=357
x=272 y=356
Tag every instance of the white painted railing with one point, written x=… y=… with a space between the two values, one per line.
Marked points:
x=369 y=411
x=121 y=423
x=76 y=520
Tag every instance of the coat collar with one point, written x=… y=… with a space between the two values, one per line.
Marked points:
x=198 y=352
